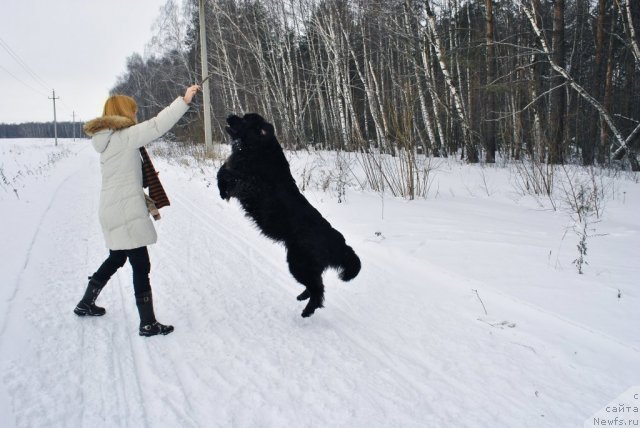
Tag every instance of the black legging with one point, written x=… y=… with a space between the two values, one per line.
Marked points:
x=139 y=260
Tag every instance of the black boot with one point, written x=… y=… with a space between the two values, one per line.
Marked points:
x=87 y=306
x=148 y=324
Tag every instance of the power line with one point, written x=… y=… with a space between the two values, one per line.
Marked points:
x=66 y=106
x=36 y=77
x=23 y=82
x=24 y=65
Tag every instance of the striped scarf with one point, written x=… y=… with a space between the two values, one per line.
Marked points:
x=150 y=179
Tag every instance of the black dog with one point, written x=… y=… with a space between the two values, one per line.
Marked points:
x=257 y=174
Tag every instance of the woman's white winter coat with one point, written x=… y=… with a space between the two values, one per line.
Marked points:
x=123 y=213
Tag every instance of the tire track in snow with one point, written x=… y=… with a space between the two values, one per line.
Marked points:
x=233 y=324
x=381 y=360
x=192 y=280
x=100 y=338
x=38 y=368
x=87 y=370
x=275 y=275
x=34 y=238
x=134 y=371
x=236 y=237
x=167 y=365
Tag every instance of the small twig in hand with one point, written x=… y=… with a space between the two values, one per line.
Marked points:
x=205 y=79
x=483 y=307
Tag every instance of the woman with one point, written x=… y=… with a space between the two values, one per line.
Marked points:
x=124 y=215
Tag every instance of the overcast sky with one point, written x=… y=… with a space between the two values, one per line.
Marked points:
x=77 y=47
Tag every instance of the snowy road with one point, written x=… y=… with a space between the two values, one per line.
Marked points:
x=400 y=346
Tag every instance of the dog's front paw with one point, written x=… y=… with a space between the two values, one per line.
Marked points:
x=223 y=189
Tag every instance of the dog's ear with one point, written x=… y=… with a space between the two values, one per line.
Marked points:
x=253 y=120
x=267 y=129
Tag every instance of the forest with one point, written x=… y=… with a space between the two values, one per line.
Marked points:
x=41 y=130
x=549 y=80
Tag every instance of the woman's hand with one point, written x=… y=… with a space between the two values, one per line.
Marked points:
x=191 y=91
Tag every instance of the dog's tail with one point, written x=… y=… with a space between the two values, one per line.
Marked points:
x=349 y=264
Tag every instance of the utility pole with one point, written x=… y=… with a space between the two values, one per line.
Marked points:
x=55 y=121
x=206 y=96
x=74 y=125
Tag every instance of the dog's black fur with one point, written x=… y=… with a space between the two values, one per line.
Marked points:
x=258 y=175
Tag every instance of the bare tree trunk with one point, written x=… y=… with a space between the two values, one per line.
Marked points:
x=472 y=154
x=415 y=32
x=431 y=85
x=625 y=6
x=536 y=88
x=558 y=99
x=490 y=134
x=589 y=147
x=470 y=81
x=364 y=77
x=318 y=72
x=608 y=87
x=335 y=65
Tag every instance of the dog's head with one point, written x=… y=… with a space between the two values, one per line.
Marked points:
x=249 y=129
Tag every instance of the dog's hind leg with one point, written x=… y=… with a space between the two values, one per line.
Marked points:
x=316 y=296
x=304 y=295
x=305 y=272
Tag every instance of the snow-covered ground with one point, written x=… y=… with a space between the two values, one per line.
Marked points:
x=405 y=344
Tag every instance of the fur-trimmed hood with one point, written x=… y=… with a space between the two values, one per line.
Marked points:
x=113 y=123
x=94 y=128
